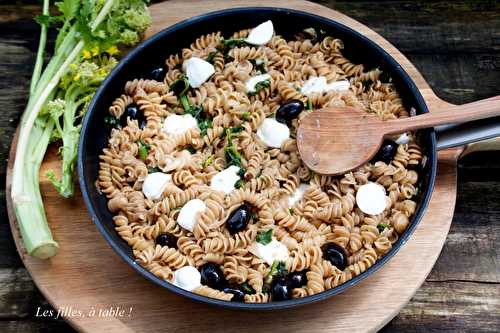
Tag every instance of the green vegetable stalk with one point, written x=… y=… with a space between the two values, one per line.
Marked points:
x=88 y=29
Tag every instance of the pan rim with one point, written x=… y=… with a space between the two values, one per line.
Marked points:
x=423 y=204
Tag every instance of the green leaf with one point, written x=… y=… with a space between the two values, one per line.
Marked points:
x=154 y=169
x=228 y=44
x=382 y=226
x=209 y=161
x=247 y=289
x=278 y=268
x=180 y=86
x=191 y=149
x=69 y=8
x=309 y=105
x=143 y=150
x=239 y=184
x=259 y=67
x=245 y=116
x=232 y=156
x=290 y=210
x=204 y=125
x=265 y=237
x=259 y=86
x=211 y=56
x=48 y=20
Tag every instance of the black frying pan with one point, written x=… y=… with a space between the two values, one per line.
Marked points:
x=152 y=54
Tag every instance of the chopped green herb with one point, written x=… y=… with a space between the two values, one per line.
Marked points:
x=382 y=226
x=278 y=268
x=245 y=116
x=195 y=111
x=265 y=237
x=209 y=161
x=232 y=156
x=143 y=150
x=259 y=65
x=211 y=56
x=309 y=105
x=204 y=125
x=290 y=210
x=242 y=172
x=180 y=86
x=191 y=149
x=227 y=44
x=154 y=169
x=247 y=289
x=112 y=121
x=235 y=130
x=259 y=86
x=223 y=134
x=239 y=184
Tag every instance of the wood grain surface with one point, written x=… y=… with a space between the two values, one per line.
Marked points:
x=333 y=131
x=458 y=55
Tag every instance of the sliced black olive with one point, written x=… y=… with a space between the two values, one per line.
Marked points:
x=289 y=111
x=297 y=279
x=280 y=290
x=133 y=112
x=335 y=255
x=167 y=239
x=239 y=295
x=387 y=152
x=239 y=218
x=158 y=74
x=212 y=276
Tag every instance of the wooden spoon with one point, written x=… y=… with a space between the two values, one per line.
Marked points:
x=335 y=140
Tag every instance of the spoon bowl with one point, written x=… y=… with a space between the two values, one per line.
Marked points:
x=335 y=140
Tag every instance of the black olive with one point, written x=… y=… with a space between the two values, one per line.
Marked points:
x=212 y=276
x=133 y=112
x=289 y=111
x=297 y=279
x=387 y=152
x=335 y=255
x=158 y=74
x=167 y=239
x=239 y=295
x=279 y=289
x=239 y=218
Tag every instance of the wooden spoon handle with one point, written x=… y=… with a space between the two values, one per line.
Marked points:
x=485 y=108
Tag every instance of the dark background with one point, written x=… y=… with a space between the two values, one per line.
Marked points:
x=454 y=44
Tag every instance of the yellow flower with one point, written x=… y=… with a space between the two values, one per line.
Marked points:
x=74 y=66
x=87 y=54
x=76 y=77
x=112 y=50
x=95 y=50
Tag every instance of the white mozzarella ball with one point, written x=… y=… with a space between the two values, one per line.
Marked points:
x=176 y=124
x=274 y=251
x=371 y=198
x=154 y=184
x=273 y=133
x=187 y=278
x=261 y=34
x=225 y=180
x=187 y=217
x=198 y=71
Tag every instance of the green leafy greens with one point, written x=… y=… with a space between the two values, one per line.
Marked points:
x=265 y=237
x=90 y=35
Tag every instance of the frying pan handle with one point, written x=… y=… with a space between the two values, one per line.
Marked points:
x=449 y=136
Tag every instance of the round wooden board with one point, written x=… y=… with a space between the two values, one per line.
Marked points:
x=88 y=275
